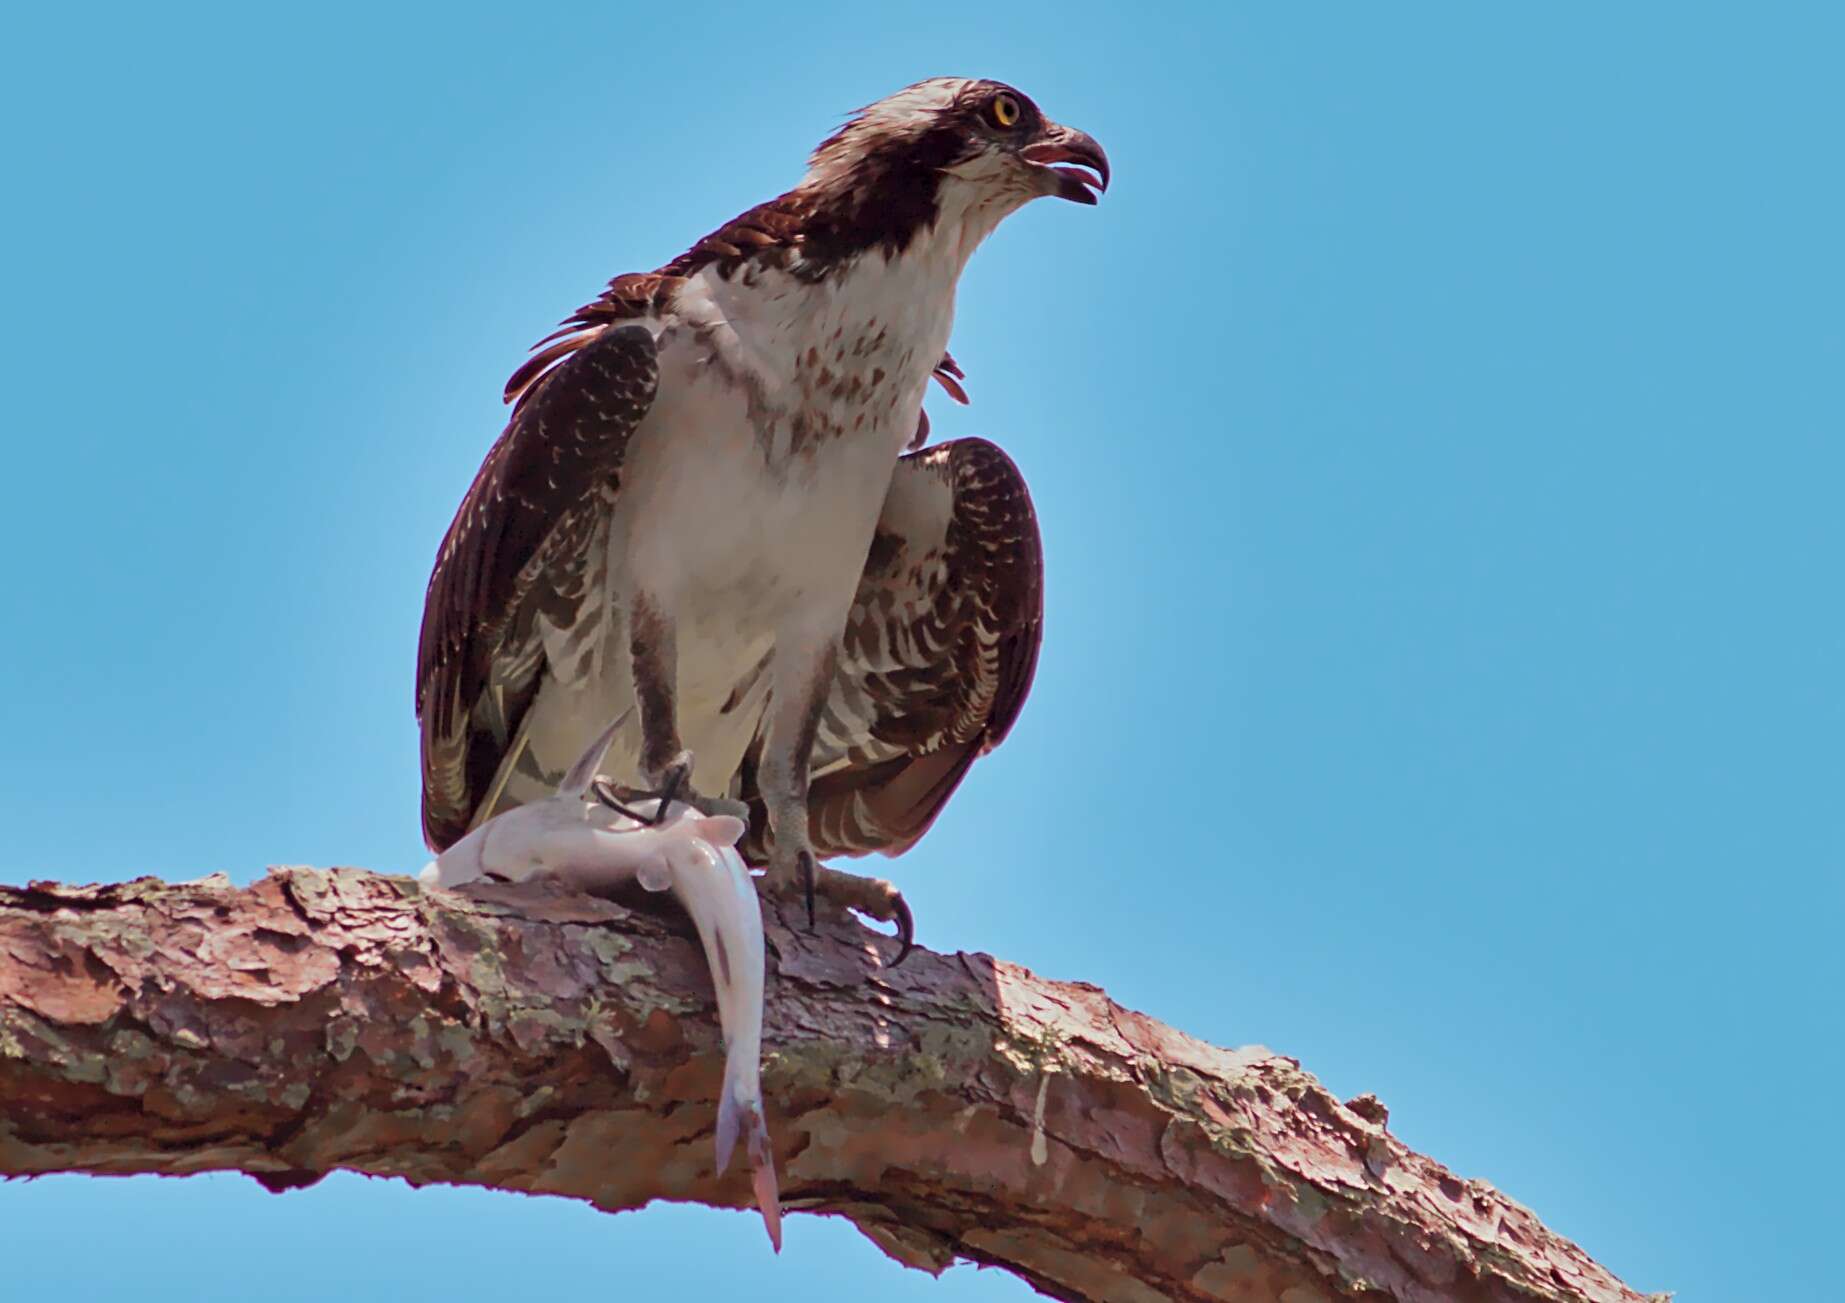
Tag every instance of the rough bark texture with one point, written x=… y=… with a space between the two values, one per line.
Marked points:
x=531 y=1038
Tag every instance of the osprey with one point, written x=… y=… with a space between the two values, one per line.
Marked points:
x=701 y=508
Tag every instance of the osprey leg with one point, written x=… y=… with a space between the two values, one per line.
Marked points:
x=803 y=670
x=666 y=766
x=802 y=677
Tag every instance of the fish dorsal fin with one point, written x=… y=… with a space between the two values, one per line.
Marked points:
x=583 y=772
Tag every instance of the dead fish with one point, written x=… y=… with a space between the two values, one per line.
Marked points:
x=581 y=840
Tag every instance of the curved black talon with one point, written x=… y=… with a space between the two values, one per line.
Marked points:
x=906 y=927
x=605 y=791
x=806 y=861
x=670 y=787
x=669 y=791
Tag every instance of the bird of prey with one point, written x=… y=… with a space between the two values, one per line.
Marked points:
x=701 y=508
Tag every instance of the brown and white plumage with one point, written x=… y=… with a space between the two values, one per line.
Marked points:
x=938 y=650
x=701 y=507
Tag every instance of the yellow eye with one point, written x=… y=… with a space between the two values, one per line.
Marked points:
x=1005 y=111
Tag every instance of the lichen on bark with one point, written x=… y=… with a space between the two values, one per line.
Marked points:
x=536 y=1039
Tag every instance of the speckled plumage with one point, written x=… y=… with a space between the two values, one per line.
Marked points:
x=703 y=485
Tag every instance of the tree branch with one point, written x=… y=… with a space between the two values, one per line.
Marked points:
x=532 y=1038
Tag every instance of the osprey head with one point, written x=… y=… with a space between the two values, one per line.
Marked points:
x=954 y=148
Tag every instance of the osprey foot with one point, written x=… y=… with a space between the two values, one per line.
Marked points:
x=675 y=784
x=872 y=897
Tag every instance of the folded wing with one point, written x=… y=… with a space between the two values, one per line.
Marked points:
x=938 y=652
x=517 y=558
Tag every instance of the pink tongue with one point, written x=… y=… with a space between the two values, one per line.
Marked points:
x=952 y=385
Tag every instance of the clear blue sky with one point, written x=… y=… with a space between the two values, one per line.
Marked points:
x=1437 y=433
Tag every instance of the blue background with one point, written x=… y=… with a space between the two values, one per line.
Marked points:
x=1437 y=434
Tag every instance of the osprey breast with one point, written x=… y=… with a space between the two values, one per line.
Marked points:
x=844 y=356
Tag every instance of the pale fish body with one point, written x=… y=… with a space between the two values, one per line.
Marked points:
x=582 y=841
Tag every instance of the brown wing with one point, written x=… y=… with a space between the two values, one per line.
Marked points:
x=937 y=655
x=774 y=234
x=518 y=552
x=766 y=235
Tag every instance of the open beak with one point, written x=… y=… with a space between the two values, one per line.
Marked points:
x=1060 y=144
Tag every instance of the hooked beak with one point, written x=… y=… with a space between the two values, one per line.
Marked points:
x=1060 y=144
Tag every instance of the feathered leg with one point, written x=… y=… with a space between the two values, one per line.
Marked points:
x=803 y=671
x=666 y=766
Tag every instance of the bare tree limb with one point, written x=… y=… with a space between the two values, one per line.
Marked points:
x=531 y=1038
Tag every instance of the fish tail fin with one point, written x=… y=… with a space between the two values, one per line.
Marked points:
x=729 y=1126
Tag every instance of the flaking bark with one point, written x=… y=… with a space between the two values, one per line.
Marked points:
x=532 y=1038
